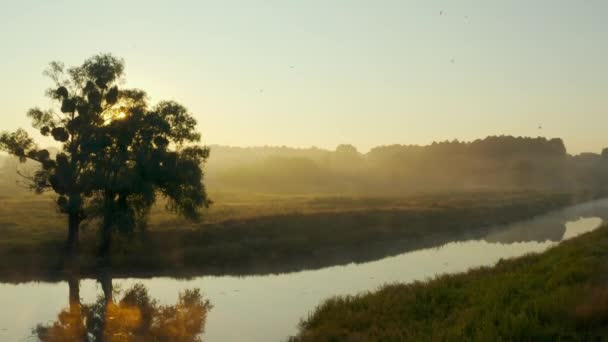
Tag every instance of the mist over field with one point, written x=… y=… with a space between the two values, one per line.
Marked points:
x=501 y=162
x=492 y=163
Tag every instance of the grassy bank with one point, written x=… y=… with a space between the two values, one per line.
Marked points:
x=561 y=294
x=263 y=235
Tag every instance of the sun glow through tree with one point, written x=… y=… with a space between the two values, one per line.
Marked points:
x=113 y=116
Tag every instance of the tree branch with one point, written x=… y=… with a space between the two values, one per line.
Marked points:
x=31 y=179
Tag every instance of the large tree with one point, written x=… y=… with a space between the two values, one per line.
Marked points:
x=117 y=152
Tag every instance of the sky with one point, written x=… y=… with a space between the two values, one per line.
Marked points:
x=323 y=73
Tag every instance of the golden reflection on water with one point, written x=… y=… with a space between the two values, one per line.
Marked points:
x=135 y=317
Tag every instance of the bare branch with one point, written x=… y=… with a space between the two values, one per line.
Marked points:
x=30 y=178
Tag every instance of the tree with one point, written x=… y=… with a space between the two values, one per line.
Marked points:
x=347 y=149
x=82 y=99
x=117 y=152
x=147 y=152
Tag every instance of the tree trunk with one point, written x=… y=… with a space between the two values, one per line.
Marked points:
x=106 y=242
x=74 y=285
x=73 y=230
x=106 y=228
x=105 y=279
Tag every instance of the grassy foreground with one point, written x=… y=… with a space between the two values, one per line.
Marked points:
x=559 y=295
x=263 y=234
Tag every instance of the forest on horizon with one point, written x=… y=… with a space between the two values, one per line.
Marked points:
x=492 y=163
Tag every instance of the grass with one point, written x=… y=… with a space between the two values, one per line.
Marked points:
x=561 y=294
x=260 y=234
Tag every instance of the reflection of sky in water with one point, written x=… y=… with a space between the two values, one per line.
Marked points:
x=268 y=308
x=581 y=226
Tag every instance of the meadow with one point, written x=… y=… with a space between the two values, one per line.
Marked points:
x=261 y=234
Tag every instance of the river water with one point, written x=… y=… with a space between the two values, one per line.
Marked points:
x=269 y=307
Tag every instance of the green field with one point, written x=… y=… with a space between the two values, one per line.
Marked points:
x=261 y=234
x=560 y=295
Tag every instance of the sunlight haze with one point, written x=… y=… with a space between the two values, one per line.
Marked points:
x=322 y=73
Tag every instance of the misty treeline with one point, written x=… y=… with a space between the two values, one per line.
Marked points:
x=493 y=163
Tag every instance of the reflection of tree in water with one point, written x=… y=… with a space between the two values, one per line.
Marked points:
x=135 y=317
x=538 y=229
x=548 y=227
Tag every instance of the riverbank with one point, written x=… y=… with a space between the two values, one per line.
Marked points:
x=324 y=232
x=561 y=294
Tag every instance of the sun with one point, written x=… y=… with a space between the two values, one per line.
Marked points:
x=113 y=116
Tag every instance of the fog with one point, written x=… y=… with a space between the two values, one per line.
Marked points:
x=492 y=163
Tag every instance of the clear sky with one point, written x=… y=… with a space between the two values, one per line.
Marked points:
x=304 y=73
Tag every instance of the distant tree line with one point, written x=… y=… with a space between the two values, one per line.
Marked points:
x=493 y=163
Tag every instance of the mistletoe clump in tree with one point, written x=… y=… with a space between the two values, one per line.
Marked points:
x=118 y=153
